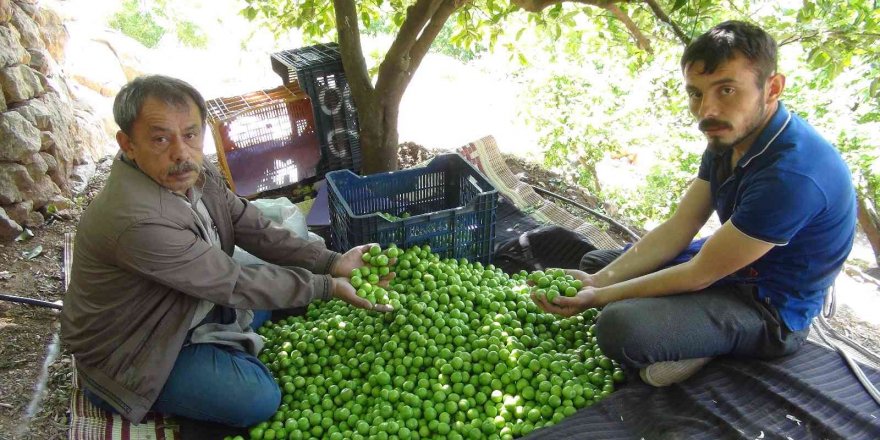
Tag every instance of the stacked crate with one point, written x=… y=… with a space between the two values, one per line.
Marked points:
x=318 y=70
x=265 y=139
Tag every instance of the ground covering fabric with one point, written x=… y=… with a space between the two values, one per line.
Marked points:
x=809 y=395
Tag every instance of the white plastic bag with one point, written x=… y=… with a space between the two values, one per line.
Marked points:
x=285 y=213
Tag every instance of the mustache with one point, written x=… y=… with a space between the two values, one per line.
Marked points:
x=710 y=124
x=184 y=167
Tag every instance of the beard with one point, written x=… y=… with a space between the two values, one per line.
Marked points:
x=717 y=145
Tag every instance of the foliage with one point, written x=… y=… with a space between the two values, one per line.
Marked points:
x=836 y=36
x=191 y=35
x=594 y=87
x=446 y=45
x=148 y=21
x=605 y=101
x=315 y=18
x=658 y=196
x=828 y=54
x=597 y=111
x=138 y=24
x=447 y=42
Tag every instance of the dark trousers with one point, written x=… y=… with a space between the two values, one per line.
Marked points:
x=719 y=320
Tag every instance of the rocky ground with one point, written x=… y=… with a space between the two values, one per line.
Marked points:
x=34 y=393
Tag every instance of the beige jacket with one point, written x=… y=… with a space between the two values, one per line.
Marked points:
x=140 y=268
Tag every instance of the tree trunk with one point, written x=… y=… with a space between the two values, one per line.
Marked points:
x=379 y=140
x=379 y=106
x=870 y=223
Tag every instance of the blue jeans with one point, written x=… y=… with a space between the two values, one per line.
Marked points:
x=217 y=384
x=726 y=319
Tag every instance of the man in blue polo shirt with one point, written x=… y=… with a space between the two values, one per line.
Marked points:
x=787 y=207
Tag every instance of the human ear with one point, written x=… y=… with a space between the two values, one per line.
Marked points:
x=775 y=86
x=124 y=143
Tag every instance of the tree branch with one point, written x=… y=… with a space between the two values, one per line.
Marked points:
x=424 y=20
x=798 y=38
x=429 y=34
x=832 y=32
x=397 y=59
x=634 y=30
x=417 y=16
x=661 y=14
x=352 y=54
x=540 y=5
x=641 y=41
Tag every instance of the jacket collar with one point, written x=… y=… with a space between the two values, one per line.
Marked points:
x=209 y=188
x=762 y=143
x=192 y=196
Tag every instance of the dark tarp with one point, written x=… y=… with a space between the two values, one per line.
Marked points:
x=809 y=395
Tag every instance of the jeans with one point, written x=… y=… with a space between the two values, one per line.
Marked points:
x=217 y=384
x=719 y=320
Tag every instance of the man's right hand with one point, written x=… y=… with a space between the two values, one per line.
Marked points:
x=342 y=289
x=568 y=306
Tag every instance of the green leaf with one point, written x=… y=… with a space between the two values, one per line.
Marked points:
x=874 y=89
x=818 y=58
x=523 y=61
x=250 y=13
x=678 y=5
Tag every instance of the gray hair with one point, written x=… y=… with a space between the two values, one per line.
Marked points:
x=172 y=91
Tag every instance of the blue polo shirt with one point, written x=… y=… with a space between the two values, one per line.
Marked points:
x=793 y=190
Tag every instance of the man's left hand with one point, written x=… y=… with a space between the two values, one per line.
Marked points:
x=568 y=306
x=353 y=259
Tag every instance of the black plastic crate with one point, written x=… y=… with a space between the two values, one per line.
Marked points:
x=318 y=70
x=451 y=207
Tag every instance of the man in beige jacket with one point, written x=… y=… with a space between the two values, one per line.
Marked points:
x=158 y=313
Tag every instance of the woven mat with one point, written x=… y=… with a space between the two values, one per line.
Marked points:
x=88 y=422
x=486 y=156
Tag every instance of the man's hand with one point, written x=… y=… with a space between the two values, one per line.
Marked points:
x=353 y=259
x=342 y=289
x=585 y=278
x=349 y=261
x=568 y=306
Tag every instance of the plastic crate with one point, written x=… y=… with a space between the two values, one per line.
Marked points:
x=452 y=208
x=318 y=70
x=265 y=139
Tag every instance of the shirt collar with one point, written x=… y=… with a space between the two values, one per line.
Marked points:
x=762 y=143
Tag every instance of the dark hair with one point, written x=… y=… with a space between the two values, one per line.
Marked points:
x=132 y=96
x=722 y=43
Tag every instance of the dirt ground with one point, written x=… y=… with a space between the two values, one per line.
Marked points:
x=34 y=397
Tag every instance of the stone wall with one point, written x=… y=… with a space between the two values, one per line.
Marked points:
x=44 y=134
